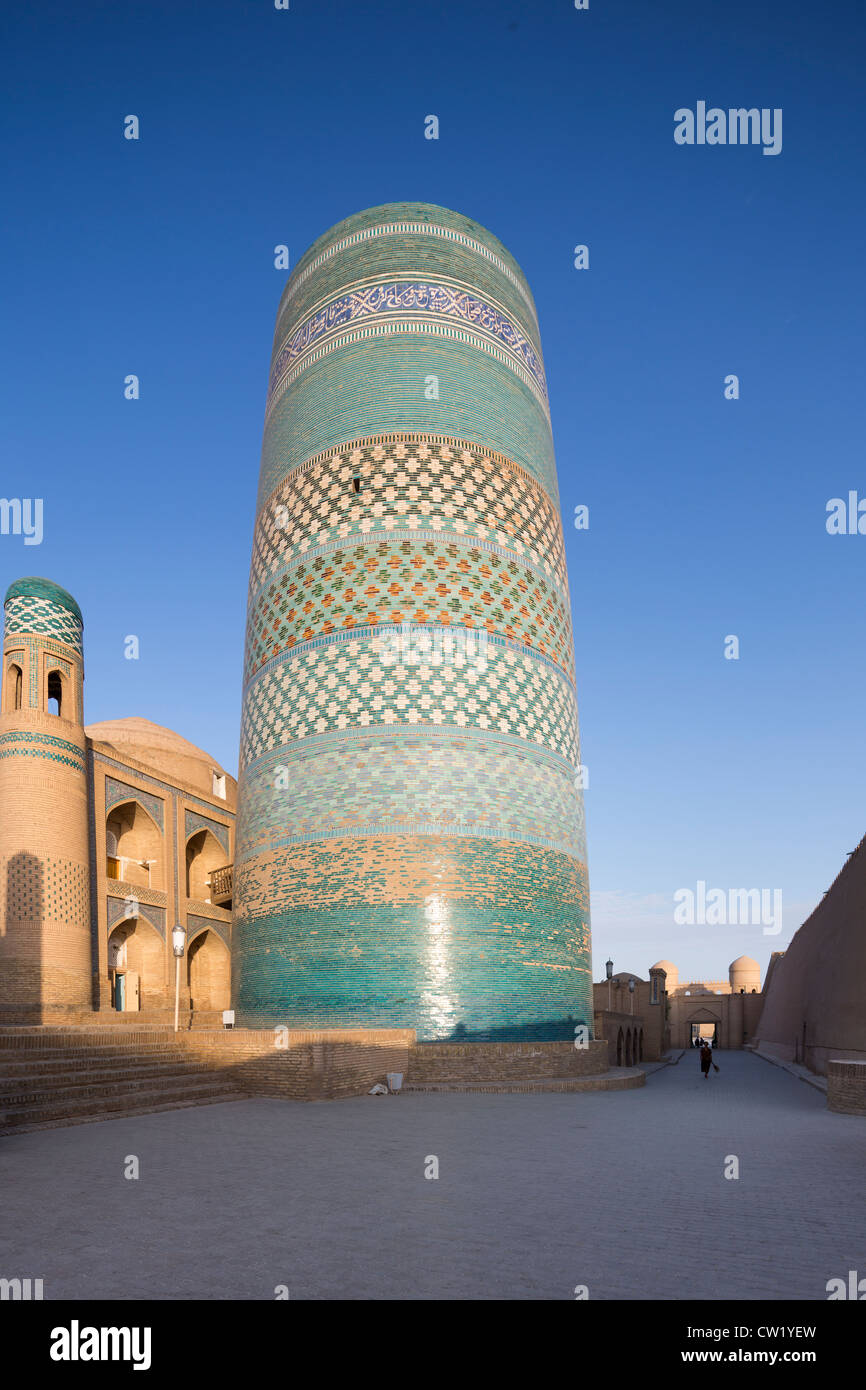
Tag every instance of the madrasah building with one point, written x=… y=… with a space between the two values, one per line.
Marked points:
x=109 y=835
x=403 y=855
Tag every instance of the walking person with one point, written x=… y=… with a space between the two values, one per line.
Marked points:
x=706 y=1059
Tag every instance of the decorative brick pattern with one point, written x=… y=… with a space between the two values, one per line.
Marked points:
x=43 y=617
x=24 y=744
x=362 y=783
x=197 y=924
x=411 y=845
x=409 y=488
x=116 y=909
x=194 y=821
x=336 y=684
x=407 y=581
x=118 y=792
x=403 y=236
x=447 y=934
x=407 y=306
x=340 y=396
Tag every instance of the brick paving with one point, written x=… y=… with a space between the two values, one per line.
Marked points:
x=621 y=1191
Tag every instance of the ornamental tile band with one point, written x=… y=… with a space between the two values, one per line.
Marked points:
x=440 y=301
x=197 y=925
x=194 y=821
x=411 y=843
x=410 y=682
x=409 y=488
x=397 y=581
x=128 y=909
x=417 y=326
x=434 y=385
x=42 y=617
x=31 y=752
x=117 y=792
x=404 y=229
x=510 y=790
x=47 y=592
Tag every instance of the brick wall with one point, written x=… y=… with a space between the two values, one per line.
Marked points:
x=324 y=1064
x=504 y=1061
x=846 y=1087
x=607 y=1025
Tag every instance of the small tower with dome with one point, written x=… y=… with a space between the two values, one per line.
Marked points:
x=45 y=943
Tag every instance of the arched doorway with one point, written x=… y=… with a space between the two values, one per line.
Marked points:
x=702 y=1026
x=208 y=972
x=619 y=1048
x=136 y=966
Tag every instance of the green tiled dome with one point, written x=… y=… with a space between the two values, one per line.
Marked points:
x=36 y=587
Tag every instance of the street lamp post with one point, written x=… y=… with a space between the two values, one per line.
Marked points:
x=631 y=992
x=178 y=943
x=608 y=965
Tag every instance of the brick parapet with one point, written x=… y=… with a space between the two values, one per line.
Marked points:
x=846 y=1086
x=506 y=1061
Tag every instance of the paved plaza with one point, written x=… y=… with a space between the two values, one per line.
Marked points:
x=621 y=1191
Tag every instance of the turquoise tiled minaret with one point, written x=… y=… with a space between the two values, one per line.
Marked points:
x=411 y=844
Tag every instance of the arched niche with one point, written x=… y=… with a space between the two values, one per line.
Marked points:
x=208 y=972
x=204 y=853
x=134 y=846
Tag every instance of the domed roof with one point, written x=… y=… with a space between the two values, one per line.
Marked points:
x=36 y=587
x=666 y=965
x=160 y=748
x=744 y=961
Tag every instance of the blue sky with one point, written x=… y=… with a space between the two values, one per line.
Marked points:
x=707 y=516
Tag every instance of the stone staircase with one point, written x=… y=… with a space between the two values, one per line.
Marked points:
x=63 y=1076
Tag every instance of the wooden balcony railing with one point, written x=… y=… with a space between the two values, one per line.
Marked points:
x=221 y=885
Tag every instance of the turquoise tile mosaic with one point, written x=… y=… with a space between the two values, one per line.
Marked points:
x=411 y=843
x=455 y=937
x=399 y=678
x=338 y=397
x=41 y=608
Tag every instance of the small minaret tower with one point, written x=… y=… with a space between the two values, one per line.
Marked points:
x=45 y=943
